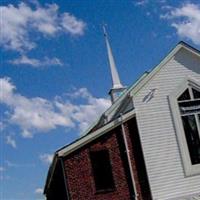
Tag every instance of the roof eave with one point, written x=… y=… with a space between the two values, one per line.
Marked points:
x=81 y=142
x=94 y=135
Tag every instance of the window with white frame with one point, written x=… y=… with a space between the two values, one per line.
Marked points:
x=185 y=106
x=189 y=107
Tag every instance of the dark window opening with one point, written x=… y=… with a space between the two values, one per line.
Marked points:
x=192 y=137
x=196 y=93
x=102 y=170
x=189 y=106
x=184 y=96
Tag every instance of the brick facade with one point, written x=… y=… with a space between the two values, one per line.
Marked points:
x=79 y=173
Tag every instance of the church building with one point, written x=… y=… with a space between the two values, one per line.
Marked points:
x=146 y=146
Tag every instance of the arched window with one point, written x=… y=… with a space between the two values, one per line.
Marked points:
x=185 y=106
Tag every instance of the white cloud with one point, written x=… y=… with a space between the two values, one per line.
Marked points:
x=17 y=22
x=186 y=21
x=46 y=158
x=10 y=141
x=36 y=115
x=72 y=25
x=24 y=60
x=85 y=114
x=39 y=191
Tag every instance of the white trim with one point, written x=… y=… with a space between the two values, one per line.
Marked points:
x=129 y=159
x=188 y=167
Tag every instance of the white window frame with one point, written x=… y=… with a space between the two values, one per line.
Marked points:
x=189 y=169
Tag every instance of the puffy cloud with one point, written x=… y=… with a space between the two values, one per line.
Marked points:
x=39 y=191
x=84 y=114
x=46 y=158
x=10 y=141
x=37 y=114
x=186 y=21
x=17 y=22
x=70 y=24
x=24 y=60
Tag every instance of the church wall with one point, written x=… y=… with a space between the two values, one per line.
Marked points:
x=157 y=131
x=79 y=173
x=80 y=179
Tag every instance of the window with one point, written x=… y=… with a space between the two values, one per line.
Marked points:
x=185 y=106
x=189 y=106
x=102 y=170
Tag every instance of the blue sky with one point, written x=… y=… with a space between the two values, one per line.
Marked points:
x=54 y=75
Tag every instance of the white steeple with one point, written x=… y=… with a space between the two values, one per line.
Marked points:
x=117 y=87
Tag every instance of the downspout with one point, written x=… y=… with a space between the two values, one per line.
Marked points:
x=65 y=179
x=128 y=157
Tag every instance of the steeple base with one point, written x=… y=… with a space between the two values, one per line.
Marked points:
x=115 y=93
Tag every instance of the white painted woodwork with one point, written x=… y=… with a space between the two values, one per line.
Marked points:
x=157 y=131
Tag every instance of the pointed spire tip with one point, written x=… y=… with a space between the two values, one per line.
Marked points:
x=116 y=86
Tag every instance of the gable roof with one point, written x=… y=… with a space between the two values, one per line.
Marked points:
x=110 y=118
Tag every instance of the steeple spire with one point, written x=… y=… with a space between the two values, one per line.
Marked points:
x=117 y=87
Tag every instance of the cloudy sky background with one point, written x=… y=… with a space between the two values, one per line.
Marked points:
x=54 y=75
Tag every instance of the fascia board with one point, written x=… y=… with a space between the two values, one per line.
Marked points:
x=83 y=141
x=88 y=138
x=162 y=63
x=156 y=70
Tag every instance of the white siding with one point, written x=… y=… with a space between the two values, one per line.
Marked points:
x=157 y=131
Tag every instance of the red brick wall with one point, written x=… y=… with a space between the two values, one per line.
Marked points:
x=79 y=172
x=78 y=168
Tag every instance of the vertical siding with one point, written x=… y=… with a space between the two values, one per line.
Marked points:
x=158 y=136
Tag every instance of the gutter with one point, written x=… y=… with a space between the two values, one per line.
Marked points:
x=128 y=157
x=94 y=135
